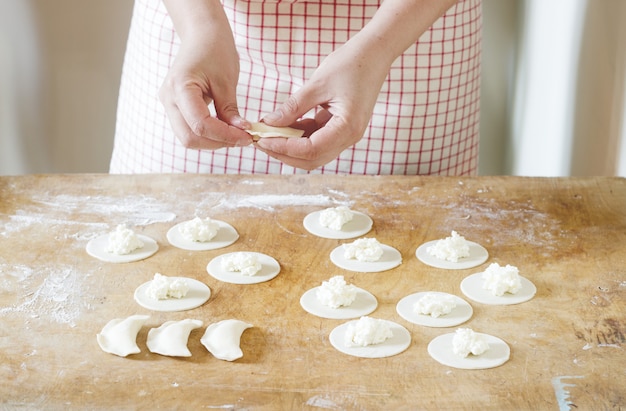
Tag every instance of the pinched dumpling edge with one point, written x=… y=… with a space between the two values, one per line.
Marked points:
x=171 y=337
x=119 y=336
x=223 y=338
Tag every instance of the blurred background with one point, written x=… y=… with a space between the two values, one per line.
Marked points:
x=553 y=86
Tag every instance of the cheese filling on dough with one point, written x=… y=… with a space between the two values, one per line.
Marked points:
x=123 y=241
x=451 y=248
x=162 y=287
x=466 y=342
x=500 y=280
x=335 y=217
x=367 y=331
x=243 y=262
x=199 y=229
x=363 y=249
x=336 y=293
x=435 y=304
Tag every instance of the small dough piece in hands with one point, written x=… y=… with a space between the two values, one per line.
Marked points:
x=222 y=339
x=171 y=338
x=119 y=336
x=261 y=130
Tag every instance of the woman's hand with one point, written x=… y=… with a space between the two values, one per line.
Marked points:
x=345 y=87
x=205 y=71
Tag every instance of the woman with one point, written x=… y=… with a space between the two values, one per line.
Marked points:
x=381 y=87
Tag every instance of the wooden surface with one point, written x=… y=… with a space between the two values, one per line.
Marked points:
x=568 y=236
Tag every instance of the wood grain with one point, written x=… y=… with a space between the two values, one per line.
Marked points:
x=567 y=235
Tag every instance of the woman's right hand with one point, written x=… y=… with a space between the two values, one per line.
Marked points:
x=205 y=71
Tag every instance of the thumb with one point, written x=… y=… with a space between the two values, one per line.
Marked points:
x=228 y=111
x=291 y=110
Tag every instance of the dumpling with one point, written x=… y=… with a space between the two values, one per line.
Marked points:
x=222 y=339
x=171 y=337
x=119 y=335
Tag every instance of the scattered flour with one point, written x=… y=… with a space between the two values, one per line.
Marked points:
x=52 y=293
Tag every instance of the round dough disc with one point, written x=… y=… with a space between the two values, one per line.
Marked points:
x=400 y=341
x=269 y=269
x=460 y=314
x=391 y=258
x=360 y=225
x=225 y=236
x=97 y=249
x=440 y=349
x=197 y=295
x=364 y=303
x=478 y=255
x=472 y=287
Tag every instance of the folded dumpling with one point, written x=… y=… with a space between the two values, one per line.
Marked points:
x=222 y=339
x=119 y=336
x=171 y=337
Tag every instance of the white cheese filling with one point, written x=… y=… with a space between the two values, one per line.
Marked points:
x=500 y=280
x=466 y=342
x=335 y=218
x=242 y=262
x=336 y=293
x=451 y=248
x=163 y=287
x=367 y=331
x=123 y=241
x=435 y=304
x=363 y=249
x=199 y=229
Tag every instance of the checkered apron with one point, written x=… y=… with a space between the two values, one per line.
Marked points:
x=425 y=120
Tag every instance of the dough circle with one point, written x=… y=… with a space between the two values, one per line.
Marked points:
x=225 y=236
x=96 y=248
x=440 y=349
x=478 y=255
x=198 y=294
x=391 y=258
x=360 y=224
x=472 y=287
x=269 y=269
x=364 y=304
x=400 y=341
x=460 y=314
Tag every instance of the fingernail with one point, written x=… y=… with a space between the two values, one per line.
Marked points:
x=241 y=123
x=271 y=117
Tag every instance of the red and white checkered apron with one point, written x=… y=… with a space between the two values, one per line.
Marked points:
x=425 y=120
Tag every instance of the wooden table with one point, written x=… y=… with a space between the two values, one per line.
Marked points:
x=567 y=235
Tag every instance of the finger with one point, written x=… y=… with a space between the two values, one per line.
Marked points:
x=195 y=112
x=191 y=140
x=296 y=106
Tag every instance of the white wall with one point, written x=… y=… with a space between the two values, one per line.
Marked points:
x=59 y=83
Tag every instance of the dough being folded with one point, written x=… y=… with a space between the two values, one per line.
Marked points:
x=262 y=130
